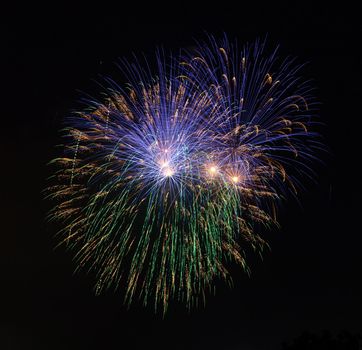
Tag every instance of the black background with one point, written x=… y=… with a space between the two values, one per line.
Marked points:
x=311 y=278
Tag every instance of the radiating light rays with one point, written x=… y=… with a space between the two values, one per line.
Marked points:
x=163 y=184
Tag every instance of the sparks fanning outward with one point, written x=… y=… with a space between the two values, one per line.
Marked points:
x=163 y=184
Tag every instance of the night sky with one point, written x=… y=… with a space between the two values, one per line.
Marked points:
x=311 y=278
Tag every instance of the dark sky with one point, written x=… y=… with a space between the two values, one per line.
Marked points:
x=311 y=278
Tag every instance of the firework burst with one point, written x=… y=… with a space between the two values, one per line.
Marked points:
x=162 y=184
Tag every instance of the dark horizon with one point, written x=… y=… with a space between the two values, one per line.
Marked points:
x=309 y=281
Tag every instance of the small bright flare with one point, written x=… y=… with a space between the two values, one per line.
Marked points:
x=235 y=179
x=167 y=171
x=213 y=169
x=165 y=168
